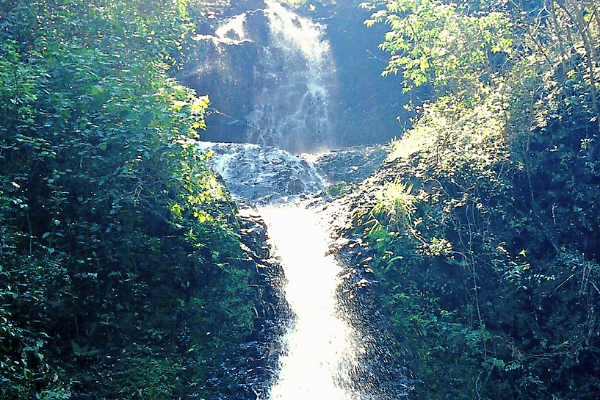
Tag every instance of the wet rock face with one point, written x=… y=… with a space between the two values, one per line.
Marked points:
x=231 y=67
x=350 y=165
x=224 y=69
x=380 y=371
x=248 y=370
x=260 y=175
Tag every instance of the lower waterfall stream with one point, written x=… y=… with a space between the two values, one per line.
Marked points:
x=320 y=350
x=330 y=347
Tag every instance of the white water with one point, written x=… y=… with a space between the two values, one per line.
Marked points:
x=260 y=175
x=231 y=32
x=233 y=29
x=321 y=347
x=292 y=111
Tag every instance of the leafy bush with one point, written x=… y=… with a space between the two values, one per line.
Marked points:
x=115 y=235
x=491 y=282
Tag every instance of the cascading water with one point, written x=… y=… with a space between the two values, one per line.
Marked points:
x=327 y=351
x=323 y=357
x=233 y=30
x=292 y=111
x=321 y=347
x=271 y=77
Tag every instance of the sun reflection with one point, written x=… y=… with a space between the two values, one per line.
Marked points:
x=321 y=351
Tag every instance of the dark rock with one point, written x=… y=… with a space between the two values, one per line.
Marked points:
x=248 y=370
x=295 y=186
x=350 y=165
x=260 y=175
x=380 y=371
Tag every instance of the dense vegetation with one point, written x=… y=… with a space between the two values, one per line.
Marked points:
x=119 y=249
x=485 y=219
x=117 y=244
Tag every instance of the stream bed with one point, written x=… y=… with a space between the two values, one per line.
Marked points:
x=332 y=344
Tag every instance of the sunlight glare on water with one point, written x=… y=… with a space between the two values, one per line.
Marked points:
x=293 y=110
x=320 y=348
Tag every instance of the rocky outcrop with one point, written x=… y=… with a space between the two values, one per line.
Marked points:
x=223 y=68
x=248 y=370
x=260 y=175
x=381 y=371
x=350 y=165
x=230 y=66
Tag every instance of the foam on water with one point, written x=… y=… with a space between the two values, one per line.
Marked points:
x=321 y=350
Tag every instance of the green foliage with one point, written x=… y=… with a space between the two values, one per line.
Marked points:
x=394 y=202
x=493 y=281
x=339 y=189
x=442 y=44
x=490 y=292
x=114 y=234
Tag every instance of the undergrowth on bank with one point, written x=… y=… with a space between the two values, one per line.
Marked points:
x=489 y=273
x=489 y=265
x=118 y=246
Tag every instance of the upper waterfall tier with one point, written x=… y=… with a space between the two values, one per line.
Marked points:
x=304 y=80
x=292 y=111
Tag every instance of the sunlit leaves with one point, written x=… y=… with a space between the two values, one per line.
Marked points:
x=394 y=201
x=99 y=182
x=505 y=174
x=441 y=44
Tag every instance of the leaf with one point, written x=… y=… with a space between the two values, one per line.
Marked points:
x=97 y=89
x=178 y=104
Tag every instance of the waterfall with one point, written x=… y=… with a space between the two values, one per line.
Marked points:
x=328 y=350
x=232 y=30
x=321 y=348
x=271 y=78
x=321 y=351
x=292 y=111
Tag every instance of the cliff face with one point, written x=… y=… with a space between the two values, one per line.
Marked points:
x=311 y=84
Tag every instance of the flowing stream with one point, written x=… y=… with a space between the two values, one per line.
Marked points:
x=321 y=351
x=292 y=111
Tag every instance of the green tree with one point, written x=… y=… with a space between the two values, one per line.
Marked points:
x=443 y=45
x=116 y=239
x=493 y=280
